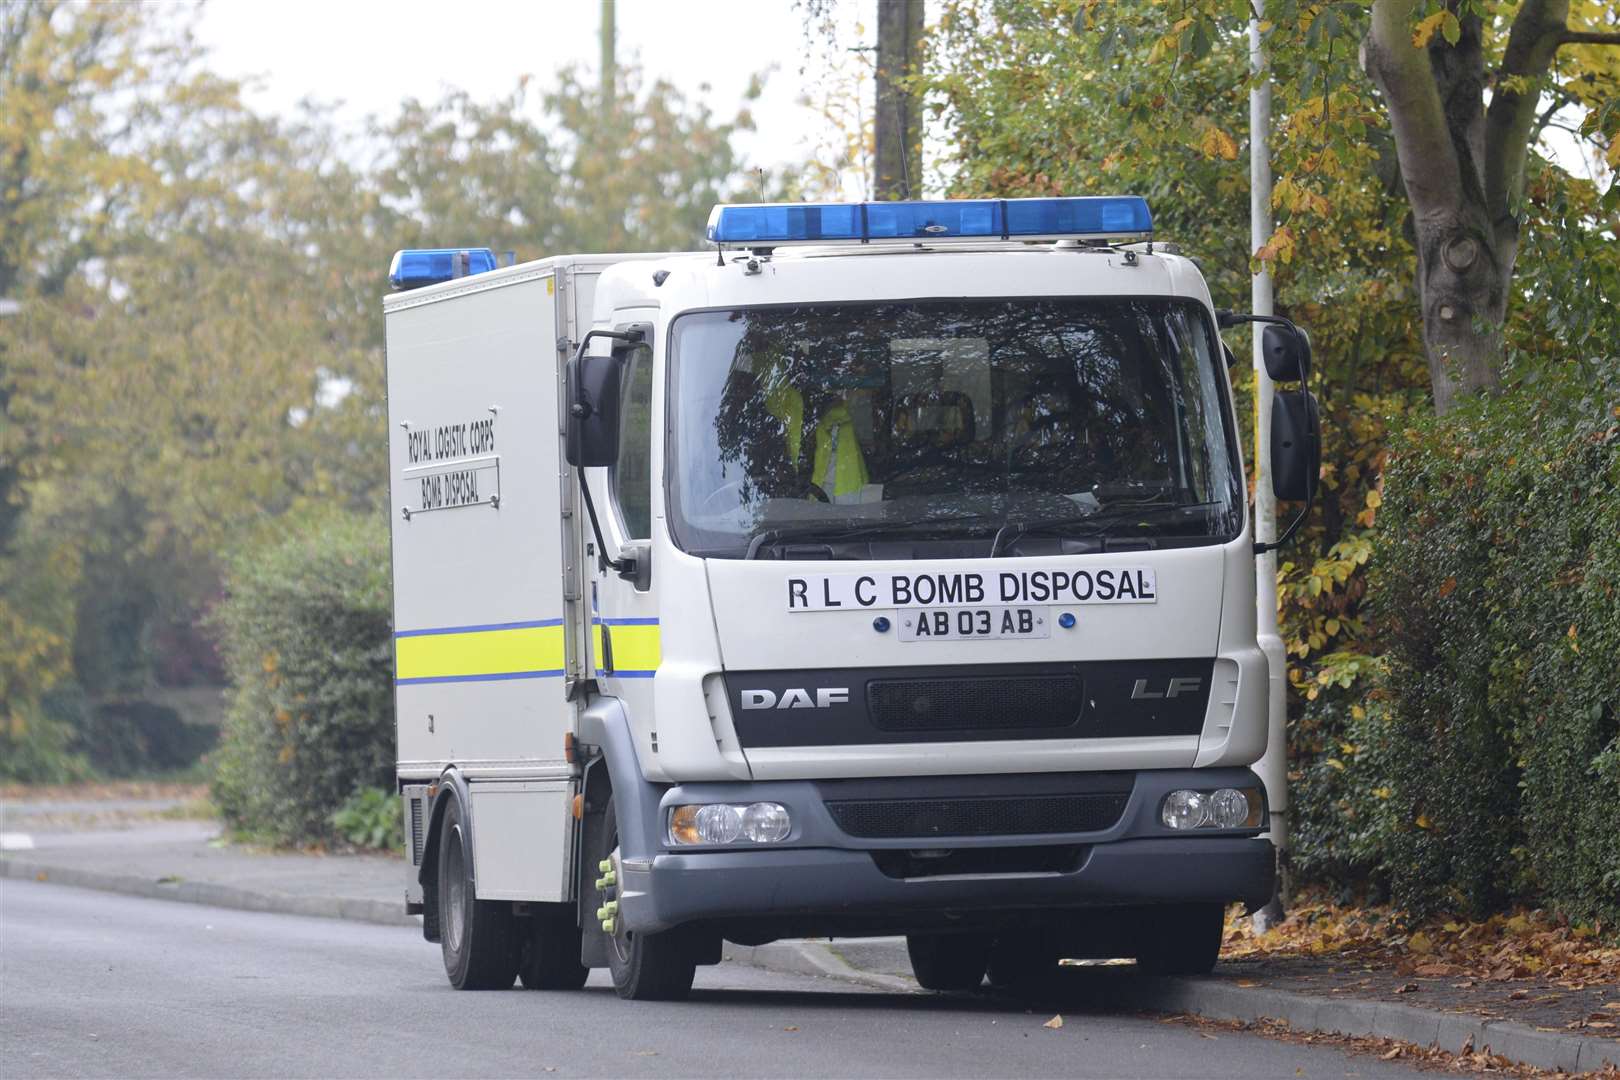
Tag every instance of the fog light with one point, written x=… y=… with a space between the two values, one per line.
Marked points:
x=1185 y=810
x=765 y=822
x=1228 y=809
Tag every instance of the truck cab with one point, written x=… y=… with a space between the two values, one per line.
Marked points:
x=904 y=583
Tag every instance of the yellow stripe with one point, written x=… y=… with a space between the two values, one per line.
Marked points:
x=635 y=648
x=480 y=652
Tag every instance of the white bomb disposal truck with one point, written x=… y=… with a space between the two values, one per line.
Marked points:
x=885 y=569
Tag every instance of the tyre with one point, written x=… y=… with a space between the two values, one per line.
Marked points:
x=1180 y=939
x=478 y=937
x=949 y=961
x=551 y=953
x=645 y=967
x=1024 y=962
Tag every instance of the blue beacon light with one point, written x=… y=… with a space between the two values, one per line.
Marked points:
x=414 y=268
x=1092 y=216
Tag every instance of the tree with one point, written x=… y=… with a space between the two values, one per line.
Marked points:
x=198 y=358
x=1463 y=162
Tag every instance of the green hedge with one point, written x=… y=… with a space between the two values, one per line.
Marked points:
x=305 y=631
x=1485 y=766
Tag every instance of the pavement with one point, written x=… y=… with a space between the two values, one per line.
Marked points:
x=189 y=861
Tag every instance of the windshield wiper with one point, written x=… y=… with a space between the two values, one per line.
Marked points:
x=1013 y=530
x=837 y=535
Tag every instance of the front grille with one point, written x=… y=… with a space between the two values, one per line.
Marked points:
x=975 y=703
x=1017 y=815
x=909 y=865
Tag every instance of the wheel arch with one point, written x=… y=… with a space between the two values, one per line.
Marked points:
x=451 y=785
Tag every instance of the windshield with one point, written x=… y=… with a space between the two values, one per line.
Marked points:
x=948 y=429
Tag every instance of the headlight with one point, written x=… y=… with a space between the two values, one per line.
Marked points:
x=1228 y=809
x=766 y=823
x=1185 y=810
x=1224 y=808
x=719 y=824
x=729 y=823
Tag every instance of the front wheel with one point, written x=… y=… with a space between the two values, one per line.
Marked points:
x=645 y=967
x=478 y=937
x=1180 y=939
x=948 y=961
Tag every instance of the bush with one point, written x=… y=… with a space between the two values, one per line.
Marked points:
x=1498 y=597
x=1340 y=820
x=305 y=632
x=371 y=819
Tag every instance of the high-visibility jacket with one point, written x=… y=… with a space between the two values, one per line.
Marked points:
x=839 y=467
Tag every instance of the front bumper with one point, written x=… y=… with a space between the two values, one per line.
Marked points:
x=677 y=889
x=824 y=877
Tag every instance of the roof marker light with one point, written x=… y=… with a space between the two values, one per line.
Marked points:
x=412 y=269
x=760 y=225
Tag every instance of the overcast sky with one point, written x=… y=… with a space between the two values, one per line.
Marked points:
x=371 y=54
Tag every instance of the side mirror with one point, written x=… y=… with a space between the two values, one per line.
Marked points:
x=592 y=386
x=1287 y=350
x=1296 y=442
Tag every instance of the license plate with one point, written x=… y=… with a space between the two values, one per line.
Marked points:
x=962 y=624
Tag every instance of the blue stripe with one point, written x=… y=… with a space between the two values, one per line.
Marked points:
x=501 y=677
x=628 y=622
x=621 y=674
x=530 y=625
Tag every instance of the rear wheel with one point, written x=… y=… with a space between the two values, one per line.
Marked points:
x=478 y=937
x=645 y=967
x=948 y=961
x=551 y=953
x=1180 y=939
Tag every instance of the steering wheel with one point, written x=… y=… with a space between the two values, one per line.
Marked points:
x=728 y=495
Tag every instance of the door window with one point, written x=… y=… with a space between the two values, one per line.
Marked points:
x=632 y=476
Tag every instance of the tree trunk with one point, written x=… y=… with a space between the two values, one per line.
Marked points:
x=897 y=128
x=1462 y=282
x=1465 y=252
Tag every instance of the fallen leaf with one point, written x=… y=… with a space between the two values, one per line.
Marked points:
x=1420 y=943
x=1438 y=971
x=1054 y=1023
x=1518 y=995
x=791 y=1027
x=1393 y=1053
x=1407 y=988
x=1246 y=983
x=1611 y=1005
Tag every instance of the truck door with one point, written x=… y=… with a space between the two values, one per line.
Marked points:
x=624 y=617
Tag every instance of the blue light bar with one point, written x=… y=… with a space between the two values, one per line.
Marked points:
x=429 y=266
x=1091 y=216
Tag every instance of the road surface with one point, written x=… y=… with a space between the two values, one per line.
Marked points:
x=97 y=984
